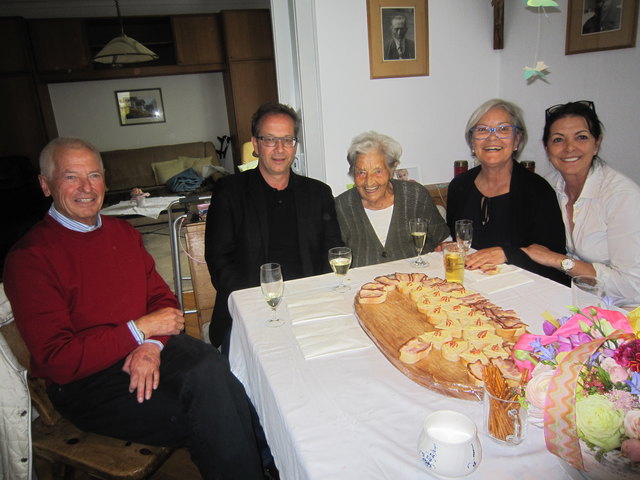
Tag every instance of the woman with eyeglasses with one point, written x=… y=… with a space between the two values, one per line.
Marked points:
x=374 y=215
x=600 y=206
x=510 y=206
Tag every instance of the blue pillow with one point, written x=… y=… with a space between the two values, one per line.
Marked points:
x=185 y=181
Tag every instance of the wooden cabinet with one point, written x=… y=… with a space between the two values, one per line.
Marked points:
x=60 y=45
x=250 y=78
x=198 y=40
x=14 y=46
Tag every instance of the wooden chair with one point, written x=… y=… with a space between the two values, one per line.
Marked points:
x=60 y=443
x=204 y=291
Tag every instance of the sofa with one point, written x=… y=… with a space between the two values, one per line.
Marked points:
x=149 y=168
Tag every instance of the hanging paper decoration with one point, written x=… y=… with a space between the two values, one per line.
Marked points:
x=540 y=70
x=541 y=3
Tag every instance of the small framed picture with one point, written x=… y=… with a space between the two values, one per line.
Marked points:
x=410 y=173
x=594 y=25
x=136 y=107
x=398 y=38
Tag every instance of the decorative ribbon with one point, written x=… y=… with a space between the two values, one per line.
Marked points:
x=560 y=432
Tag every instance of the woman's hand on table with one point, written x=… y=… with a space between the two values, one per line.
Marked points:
x=542 y=255
x=490 y=256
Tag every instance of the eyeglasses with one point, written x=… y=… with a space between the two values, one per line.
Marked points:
x=482 y=132
x=551 y=110
x=271 y=141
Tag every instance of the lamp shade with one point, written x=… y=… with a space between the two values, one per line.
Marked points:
x=124 y=49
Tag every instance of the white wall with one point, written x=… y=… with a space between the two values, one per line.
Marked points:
x=194 y=105
x=610 y=78
x=427 y=115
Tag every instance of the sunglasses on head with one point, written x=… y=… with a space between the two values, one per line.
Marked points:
x=551 y=110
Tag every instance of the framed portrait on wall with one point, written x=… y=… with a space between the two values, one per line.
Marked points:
x=398 y=38
x=137 y=107
x=594 y=25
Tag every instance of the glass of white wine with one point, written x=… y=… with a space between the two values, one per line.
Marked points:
x=418 y=231
x=272 y=286
x=464 y=233
x=340 y=261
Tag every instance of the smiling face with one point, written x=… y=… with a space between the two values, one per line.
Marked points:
x=76 y=184
x=494 y=151
x=275 y=162
x=571 y=146
x=371 y=176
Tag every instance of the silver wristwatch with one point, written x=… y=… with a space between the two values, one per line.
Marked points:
x=567 y=264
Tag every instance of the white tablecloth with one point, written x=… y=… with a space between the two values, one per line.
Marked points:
x=151 y=208
x=352 y=415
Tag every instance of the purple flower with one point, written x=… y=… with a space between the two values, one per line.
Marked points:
x=608 y=303
x=547 y=353
x=634 y=383
x=565 y=319
x=548 y=328
x=578 y=339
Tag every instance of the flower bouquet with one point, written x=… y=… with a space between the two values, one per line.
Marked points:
x=585 y=389
x=138 y=196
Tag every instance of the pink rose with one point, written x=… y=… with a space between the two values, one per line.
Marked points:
x=536 y=389
x=617 y=372
x=632 y=424
x=631 y=449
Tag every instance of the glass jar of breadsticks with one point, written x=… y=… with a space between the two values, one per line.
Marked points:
x=505 y=418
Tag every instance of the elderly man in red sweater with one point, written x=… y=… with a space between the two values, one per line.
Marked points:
x=104 y=329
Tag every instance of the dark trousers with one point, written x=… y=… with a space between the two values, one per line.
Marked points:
x=199 y=404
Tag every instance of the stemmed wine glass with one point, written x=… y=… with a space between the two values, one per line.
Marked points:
x=418 y=231
x=464 y=234
x=340 y=261
x=272 y=288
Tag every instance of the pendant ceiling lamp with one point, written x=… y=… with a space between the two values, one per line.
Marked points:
x=123 y=49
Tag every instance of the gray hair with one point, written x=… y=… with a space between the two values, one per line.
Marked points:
x=47 y=163
x=512 y=109
x=371 y=141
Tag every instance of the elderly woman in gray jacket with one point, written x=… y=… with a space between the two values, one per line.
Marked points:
x=374 y=215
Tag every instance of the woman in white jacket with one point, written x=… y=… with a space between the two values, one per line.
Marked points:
x=600 y=206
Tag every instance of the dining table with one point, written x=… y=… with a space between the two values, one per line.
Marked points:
x=334 y=407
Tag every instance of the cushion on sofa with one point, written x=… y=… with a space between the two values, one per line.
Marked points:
x=196 y=163
x=163 y=171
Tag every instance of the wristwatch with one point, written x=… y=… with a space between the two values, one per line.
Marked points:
x=567 y=264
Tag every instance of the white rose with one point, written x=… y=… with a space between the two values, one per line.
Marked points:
x=536 y=389
x=632 y=424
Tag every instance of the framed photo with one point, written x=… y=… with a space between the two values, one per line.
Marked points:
x=136 y=107
x=594 y=25
x=410 y=173
x=398 y=38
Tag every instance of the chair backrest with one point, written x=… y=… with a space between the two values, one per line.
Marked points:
x=204 y=292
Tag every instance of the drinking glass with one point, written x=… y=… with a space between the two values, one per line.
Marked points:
x=586 y=291
x=454 y=256
x=418 y=232
x=272 y=288
x=464 y=233
x=505 y=420
x=340 y=261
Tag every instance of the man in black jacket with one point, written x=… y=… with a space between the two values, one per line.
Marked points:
x=269 y=214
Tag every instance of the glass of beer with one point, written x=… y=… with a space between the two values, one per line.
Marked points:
x=454 y=256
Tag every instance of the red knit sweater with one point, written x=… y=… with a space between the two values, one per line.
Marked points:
x=72 y=294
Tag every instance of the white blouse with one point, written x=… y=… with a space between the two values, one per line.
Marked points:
x=606 y=229
x=380 y=221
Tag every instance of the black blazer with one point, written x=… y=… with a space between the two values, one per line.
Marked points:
x=534 y=217
x=237 y=235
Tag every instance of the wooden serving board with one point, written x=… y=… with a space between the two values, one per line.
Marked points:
x=391 y=324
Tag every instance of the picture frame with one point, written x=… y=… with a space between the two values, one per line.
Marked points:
x=402 y=51
x=137 y=107
x=408 y=172
x=594 y=25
